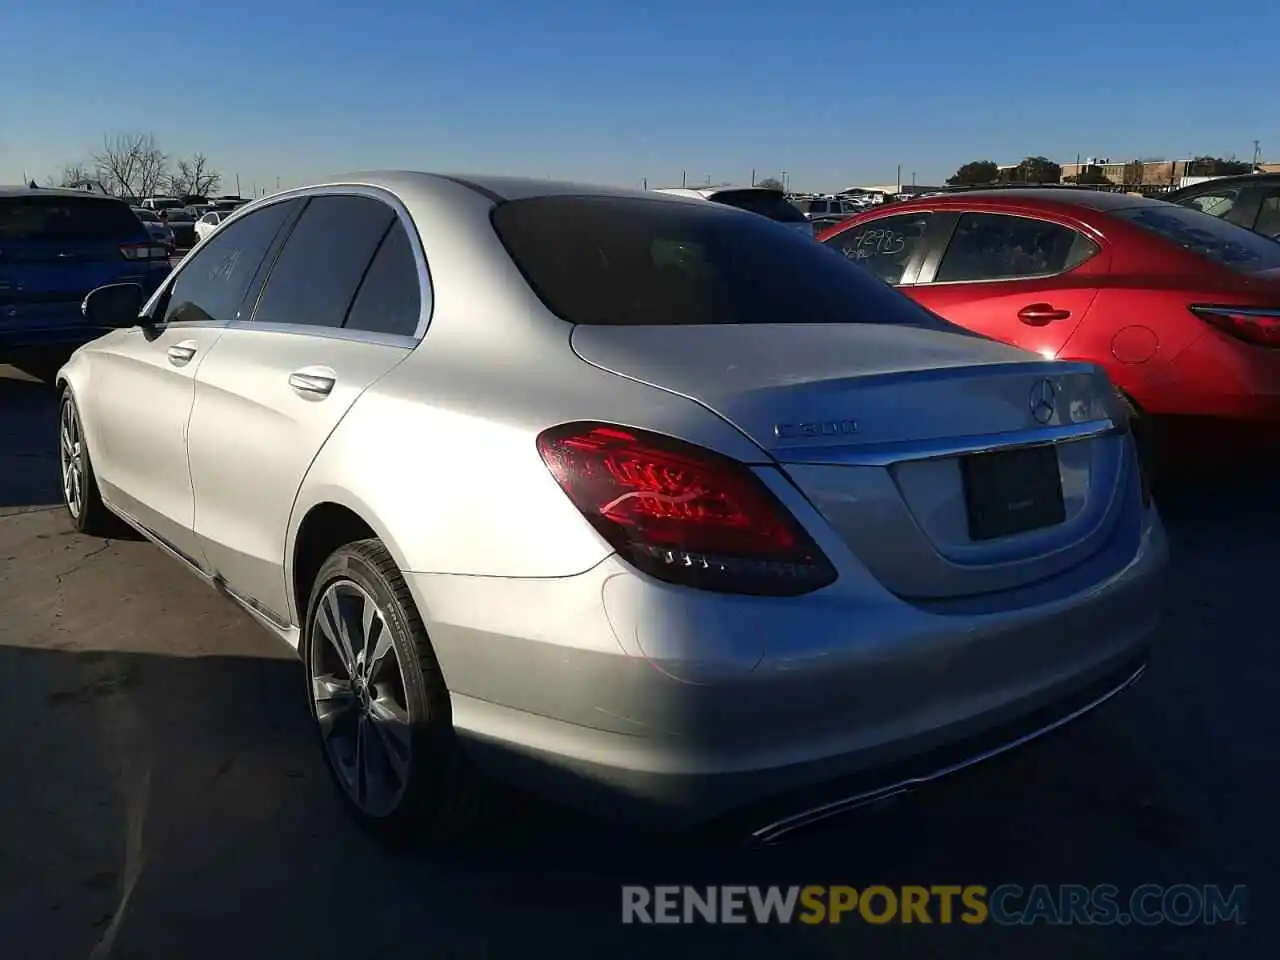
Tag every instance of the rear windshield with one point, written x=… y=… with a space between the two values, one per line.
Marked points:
x=767 y=203
x=66 y=218
x=180 y=216
x=165 y=204
x=634 y=261
x=1211 y=237
x=147 y=216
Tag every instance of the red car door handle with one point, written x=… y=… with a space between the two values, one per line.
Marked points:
x=1038 y=314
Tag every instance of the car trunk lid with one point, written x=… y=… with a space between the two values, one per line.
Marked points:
x=883 y=428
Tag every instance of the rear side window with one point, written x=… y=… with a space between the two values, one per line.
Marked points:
x=635 y=261
x=1217 y=240
x=884 y=246
x=210 y=286
x=389 y=300
x=64 y=219
x=767 y=203
x=324 y=259
x=993 y=246
x=1216 y=203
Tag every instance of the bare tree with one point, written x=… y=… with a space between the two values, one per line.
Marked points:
x=770 y=183
x=131 y=165
x=194 y=177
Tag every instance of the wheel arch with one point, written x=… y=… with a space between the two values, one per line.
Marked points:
x=328 y=520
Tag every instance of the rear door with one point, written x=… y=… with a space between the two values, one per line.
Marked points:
x=1025 y=280
x=54 y=249
x=344 y=303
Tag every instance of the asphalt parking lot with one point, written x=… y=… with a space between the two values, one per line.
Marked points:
x=163 y=797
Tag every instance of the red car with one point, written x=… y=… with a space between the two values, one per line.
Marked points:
x=1181 y=308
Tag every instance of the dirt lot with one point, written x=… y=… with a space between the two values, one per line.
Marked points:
x=163 y=798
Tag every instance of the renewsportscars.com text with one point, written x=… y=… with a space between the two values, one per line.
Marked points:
x=973 y=904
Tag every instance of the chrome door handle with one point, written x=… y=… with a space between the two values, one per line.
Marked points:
x=180 y=354
x=314 y=383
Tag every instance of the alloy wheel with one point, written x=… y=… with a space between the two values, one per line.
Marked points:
x=71 y=459
x=357 y=686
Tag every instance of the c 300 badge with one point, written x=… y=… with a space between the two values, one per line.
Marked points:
x=817 y=429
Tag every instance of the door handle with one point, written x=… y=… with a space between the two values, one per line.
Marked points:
x=1038 y=314
x=180 y=354
x=313 y=383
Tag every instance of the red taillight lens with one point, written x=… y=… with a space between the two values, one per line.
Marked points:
x=144 y=251
x=1256 y=325
x=682 y=513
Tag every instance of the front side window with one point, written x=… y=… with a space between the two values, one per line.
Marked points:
x=320 y=267
x=212 y=284
x=634 y=261
x=997 y=246
x=883 y=246
x=1268 y=222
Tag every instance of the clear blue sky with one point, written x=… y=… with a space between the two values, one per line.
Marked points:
x=835 y=93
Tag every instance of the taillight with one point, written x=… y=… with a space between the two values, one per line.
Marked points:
x=144 y=251
x=1257 y=325
x=682 y=513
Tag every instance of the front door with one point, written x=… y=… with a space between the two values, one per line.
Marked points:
x=1022 y=280
x=144 y=381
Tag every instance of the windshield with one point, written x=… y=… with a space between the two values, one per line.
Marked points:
x=147 y=216
x=1218 y=240
x=60 y=219
x=634 y=261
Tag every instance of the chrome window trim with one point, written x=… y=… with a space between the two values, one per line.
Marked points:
x=889 y=454
x=426 y=292
x=329 y=333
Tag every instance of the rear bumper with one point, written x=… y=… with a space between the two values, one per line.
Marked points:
x=662 y=705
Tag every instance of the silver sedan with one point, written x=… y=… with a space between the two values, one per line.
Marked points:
x=644 y=500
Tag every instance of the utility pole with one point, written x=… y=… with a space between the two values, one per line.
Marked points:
x=913 y=178
x=237 y=184
x=277 y=183
x=1257 y=151
x=645 y=181
x=684 y=178
x=708 y=179
x=784 y=182
x=898 y=181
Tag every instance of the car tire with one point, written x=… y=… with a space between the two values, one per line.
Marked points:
x=385 y=729
x=80 y=495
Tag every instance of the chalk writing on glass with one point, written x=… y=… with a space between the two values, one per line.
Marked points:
x=875 y=243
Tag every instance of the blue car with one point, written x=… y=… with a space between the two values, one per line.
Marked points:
x=56 y=246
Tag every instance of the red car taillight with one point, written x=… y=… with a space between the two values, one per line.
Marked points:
x=681 y=513
x=144 y=251
x=1259 y=326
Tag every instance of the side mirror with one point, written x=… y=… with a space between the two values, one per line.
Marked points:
x=115 y=306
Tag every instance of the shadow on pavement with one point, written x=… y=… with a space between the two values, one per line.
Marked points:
x=190 y=789
x=28 y=442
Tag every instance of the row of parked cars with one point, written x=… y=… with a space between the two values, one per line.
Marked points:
x=641 y=499
x=1177 y=298
x=181 y=223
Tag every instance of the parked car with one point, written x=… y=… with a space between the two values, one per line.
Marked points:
x=183 y=224
x=55 y=246
x=594 y=486
x=1181 y=308
x=209 y=222
x=1251 y=201
x=764 y=201
x=824 y=207
x=161 y=203
x=159 y=230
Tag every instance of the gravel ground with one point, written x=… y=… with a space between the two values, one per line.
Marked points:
x=164 y=799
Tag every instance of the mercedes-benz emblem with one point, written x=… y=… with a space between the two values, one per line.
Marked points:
x=1041 y=401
